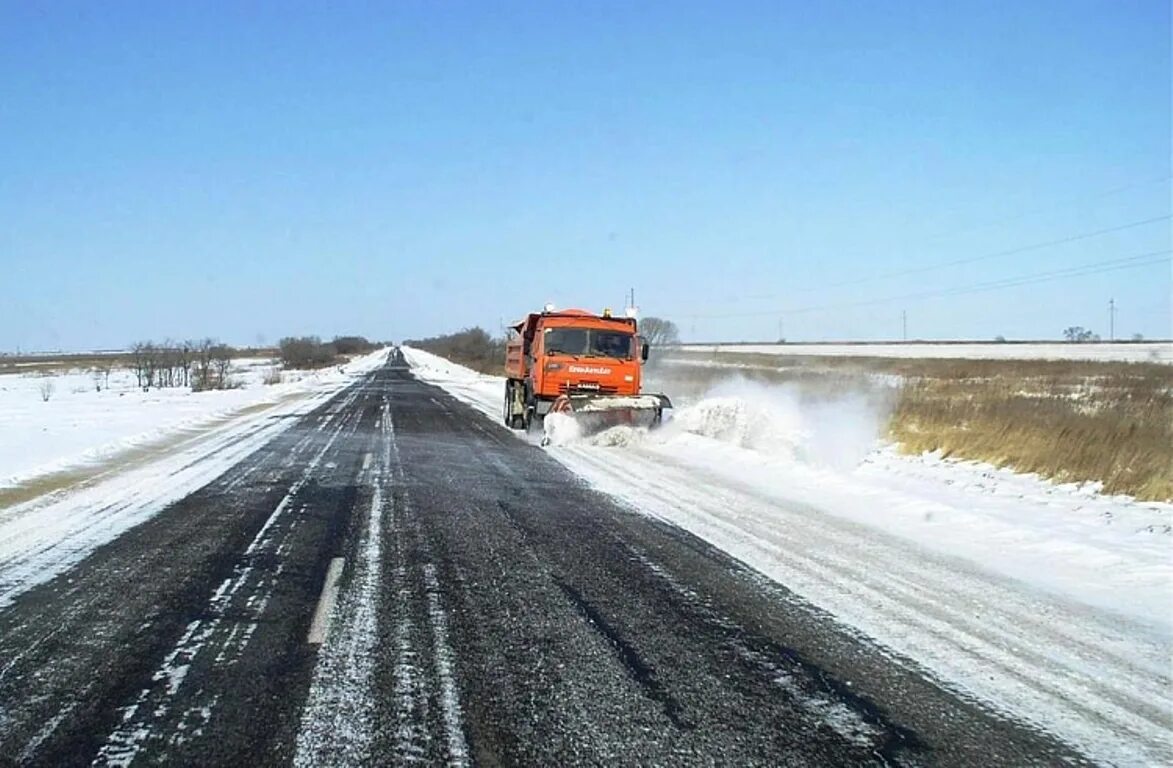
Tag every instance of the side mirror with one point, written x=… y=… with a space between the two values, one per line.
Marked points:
x=644 y=349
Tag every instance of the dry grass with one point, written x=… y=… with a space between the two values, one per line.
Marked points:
x=1066 y=420
x=1117 y=429
x=63 y=363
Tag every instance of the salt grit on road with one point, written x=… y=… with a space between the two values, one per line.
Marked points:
x=44 y=536
x=1050 y=603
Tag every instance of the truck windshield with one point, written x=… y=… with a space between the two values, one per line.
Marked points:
x=577 y=341
x=610 y=344
x=568 y=341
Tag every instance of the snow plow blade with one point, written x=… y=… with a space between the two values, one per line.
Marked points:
x=594 y=413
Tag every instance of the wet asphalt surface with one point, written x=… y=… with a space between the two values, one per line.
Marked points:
x=516 y=617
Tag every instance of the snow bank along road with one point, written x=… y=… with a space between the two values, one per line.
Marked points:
x=493 y=609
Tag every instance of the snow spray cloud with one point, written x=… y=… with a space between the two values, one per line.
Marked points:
x=835 y=431
x=821 y=423
x=830 y=421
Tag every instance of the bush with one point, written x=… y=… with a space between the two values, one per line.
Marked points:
x=46 y=388
x=307 y=352
x=472 y=347
x=353 y=345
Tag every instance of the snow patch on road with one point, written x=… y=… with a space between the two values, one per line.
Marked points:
x=154 y=703
x=445 y=672
x=337 y=716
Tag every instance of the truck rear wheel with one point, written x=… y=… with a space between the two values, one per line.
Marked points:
x=511 y=419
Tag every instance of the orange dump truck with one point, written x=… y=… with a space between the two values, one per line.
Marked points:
x=576 y=362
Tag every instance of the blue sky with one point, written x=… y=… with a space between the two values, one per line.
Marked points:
x=253 y=170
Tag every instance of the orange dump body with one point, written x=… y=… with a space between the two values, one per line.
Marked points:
x=574 y=352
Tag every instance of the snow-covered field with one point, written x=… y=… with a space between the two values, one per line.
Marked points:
x=192 y=440
x=1136 y=352
x=1052 y=603
x=78 y=424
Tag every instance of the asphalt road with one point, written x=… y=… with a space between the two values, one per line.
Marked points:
x=492 y=610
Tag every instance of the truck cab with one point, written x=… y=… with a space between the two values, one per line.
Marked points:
x=570 y=353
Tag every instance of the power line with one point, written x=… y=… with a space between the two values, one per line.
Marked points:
x=1068 y=201
x=986 y=256
x=967 y=260
x=1010 y=252
x=976 y=227
x=1144 y=259
x=1140 y=260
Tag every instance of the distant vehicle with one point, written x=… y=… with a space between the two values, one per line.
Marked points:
x=578 y=363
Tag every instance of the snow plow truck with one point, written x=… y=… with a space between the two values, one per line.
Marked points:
x=577 y=363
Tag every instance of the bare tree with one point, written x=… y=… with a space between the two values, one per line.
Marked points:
x=185 y=360
x=139 y=354
x=166 y=364
x=1078 y=333
x=221 y=359
x=202 y=364
x=151 y=353
x=659 y=332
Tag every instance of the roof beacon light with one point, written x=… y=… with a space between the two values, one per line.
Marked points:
x=549 y=307
x=606 y=311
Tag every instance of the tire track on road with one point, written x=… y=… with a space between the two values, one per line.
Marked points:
x=246 y=591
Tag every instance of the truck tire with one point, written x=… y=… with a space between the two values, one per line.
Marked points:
x=531 y=410
x=512 y=420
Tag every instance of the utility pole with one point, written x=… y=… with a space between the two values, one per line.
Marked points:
x=781 y=335
x=904 y=323
x=1111 y=319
